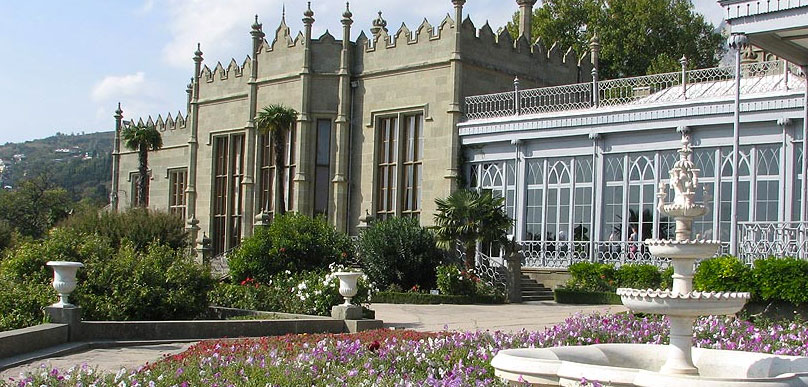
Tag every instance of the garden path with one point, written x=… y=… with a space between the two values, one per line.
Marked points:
x=533 y=316
x=509 y=317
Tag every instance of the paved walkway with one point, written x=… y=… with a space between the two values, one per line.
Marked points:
x=509 y=317
x=534 y=316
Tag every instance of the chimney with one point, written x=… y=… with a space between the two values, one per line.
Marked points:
x=525 y=18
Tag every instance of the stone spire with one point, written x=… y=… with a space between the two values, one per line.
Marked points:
x=526 y=17
x=379 y=24
x=116 y=163
x=346 y=16
x=308 y=15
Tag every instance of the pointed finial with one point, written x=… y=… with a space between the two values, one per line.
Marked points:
x=198 y=53
x=347 y=14
x=119 y=112
x=308 y=16
x=378 y=24
x=283 y=12
x=256 y=26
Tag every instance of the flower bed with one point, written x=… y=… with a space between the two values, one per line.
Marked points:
x=392 y=358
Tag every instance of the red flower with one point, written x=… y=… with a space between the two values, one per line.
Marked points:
x=282 y=249
x=344 y=255
x=374 y=346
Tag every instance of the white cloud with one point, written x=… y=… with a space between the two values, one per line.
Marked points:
x=223 y=26
x=139 y=96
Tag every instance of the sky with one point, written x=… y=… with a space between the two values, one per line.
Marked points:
x=68 y=63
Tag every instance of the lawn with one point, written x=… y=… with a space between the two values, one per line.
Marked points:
x=404 y=358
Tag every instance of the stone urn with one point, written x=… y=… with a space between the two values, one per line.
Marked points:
x=64 y=280
x=347 y=285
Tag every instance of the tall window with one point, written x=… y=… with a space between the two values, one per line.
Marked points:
x=582 y=214
x=767 y=187
x=641 y=198
x=177 y=180
x=558 y=201
x=399 y=166
x=266 y=160
x=613 y=198
x=797 y=202
x=322 y=167
x=228 y=170
x=535 y=199
x=134 y=177
x=744 y=184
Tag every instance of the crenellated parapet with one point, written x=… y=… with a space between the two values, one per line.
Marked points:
x=167 y=125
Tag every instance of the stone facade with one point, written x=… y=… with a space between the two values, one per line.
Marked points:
x=343 y=90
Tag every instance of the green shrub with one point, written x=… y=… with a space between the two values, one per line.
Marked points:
x=26 y=262
x=158 y=284
x=142 y=227
x=782 y=279
x=639 y=277
x=456 y=282
x=399 y=251
x=21 y=303
x=292 y=242
x=723 y=273
x=567 y=296
x=248 y=296
x=593 y=277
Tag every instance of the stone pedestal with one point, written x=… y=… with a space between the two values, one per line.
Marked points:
x=514 y=262
x=346 y=312
x=65 y=315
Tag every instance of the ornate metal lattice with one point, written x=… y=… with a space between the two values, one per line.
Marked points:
x=627 y=90
x=558 y=98
x=765 y=239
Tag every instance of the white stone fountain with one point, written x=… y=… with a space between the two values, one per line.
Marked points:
x=678 y=363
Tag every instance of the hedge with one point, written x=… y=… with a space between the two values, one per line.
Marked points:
x=429 y=299
x=566 y=296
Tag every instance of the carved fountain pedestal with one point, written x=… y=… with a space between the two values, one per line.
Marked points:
x=678 y=363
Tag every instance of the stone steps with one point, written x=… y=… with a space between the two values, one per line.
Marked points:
x=534 y=291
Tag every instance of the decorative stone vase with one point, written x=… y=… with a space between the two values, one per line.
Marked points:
x=64 y=280
x=347 y=285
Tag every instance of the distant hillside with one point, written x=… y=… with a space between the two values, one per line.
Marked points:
x=80 y=163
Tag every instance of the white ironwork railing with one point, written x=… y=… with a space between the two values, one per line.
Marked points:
x=761 y=77
x=758 y=7
x=766 y=239
x=562 y=254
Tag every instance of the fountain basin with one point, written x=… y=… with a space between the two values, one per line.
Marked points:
x=639 y=365
x=688 y=249
x=690 y=304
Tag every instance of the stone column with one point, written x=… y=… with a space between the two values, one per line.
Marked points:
x=737 y=42
x=250 y=136
x=525 y=18
x=513 y=260
x=116 y=160
x=342 y=133
x=594 y=48
x=193 y=147
x=456 y=106
x=302 y=181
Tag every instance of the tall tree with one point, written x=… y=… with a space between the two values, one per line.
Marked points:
x=34 y=206
x=637 y=37
x=142 y=138
x=467 y=217
x=277 y=120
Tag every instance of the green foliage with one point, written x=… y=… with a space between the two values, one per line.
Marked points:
x=724 y=273
x=782 y=279
x=140 y=226
x=667 y=278
x=277 y=121
x=7 y=237
x=433 y=299
x=663 y=28
x=142 y=138
x=26 y=262
x=34 y=206
x=21 y=303
x=568 y=296
x=639 y=277
x=115 y=284
x=468 y=217
x=593 y=277
x=456 y=282
x=312 y=293
x=399 y=251
x=158 y=284
x=292 y=242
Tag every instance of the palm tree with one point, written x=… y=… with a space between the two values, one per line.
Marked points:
x=276 y=120
x=142 y=138
x=467 y=217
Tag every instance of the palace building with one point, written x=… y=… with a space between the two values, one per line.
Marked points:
x=377 y=131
